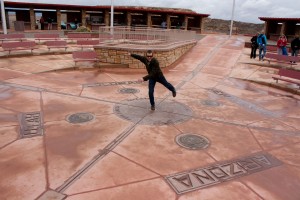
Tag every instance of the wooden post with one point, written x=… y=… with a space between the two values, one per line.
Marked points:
x=83 y=17
x=58 y=17
x=128 y=18
x=168 y=21
x=149 y=20
x=32 y=18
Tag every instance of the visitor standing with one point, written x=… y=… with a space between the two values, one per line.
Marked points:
x=295 y=45
x=254 y=46
x=76 y=23
x=281 y=45
x=49 y=21
x=164 y=25
x=262 y=45
x=42 y=21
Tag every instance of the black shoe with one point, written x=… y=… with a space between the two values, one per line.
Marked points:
x=153 y=107
x=174 y=93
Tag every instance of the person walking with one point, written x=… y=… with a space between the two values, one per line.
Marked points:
x=154 y=75
x=295 y=46
x=281 y=45
x=262 y=45
x=254 y=46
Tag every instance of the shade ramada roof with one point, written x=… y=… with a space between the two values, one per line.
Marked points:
x=279 y=19
x=174 y=11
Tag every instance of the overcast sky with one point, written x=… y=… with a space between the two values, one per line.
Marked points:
x=245 y=10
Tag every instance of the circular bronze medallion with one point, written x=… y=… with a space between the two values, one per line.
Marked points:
x=192 y=141
x=128 y=90
x=79 y=118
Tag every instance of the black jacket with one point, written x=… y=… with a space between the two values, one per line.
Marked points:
x=152 y=67
x=254 y=41
x=295 y=44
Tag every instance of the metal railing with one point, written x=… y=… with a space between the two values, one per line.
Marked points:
x=144 y=35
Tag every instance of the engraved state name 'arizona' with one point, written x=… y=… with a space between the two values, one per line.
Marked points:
x=207 y=176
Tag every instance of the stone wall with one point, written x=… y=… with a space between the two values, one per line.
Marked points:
x=119 y=55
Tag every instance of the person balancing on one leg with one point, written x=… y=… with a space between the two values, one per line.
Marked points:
x=154 y=75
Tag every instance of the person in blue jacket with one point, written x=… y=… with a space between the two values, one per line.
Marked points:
x=262 y=45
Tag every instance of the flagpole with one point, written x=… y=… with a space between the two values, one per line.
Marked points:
x=232 y=15
x=112 y=17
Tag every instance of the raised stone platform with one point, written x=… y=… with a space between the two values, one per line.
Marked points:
x=166 y=54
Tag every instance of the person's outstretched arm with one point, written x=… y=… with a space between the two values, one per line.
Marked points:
x=143 y=59
x=140 y=58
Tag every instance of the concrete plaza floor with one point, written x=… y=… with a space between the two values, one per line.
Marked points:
x=89 y=134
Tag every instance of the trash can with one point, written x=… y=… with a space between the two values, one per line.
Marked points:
x=19 y=25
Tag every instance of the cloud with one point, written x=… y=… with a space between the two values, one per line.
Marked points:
x=255 y=4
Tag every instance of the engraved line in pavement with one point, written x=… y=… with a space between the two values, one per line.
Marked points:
x=198 y=68
x=285 y=132
x=102 y=153
x=25 y=87
x=246 y=104
x=111 y=83
x=208 y=57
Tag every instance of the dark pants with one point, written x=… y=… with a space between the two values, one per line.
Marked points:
x=295 y=52
x=162 y=80
x=253 y=52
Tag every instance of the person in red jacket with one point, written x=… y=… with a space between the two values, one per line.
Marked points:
x=154 y=75
x=281 y=45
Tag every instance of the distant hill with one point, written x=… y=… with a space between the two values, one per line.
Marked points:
x=223 y=26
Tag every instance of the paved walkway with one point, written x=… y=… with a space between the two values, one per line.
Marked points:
x=89 y=134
